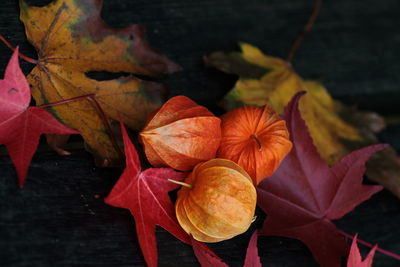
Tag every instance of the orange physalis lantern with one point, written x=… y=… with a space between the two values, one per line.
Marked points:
x=217 y=201
x=256 y=139
x=181 y=134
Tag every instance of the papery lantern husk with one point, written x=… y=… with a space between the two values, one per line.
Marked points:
x=220 y=203
x=256 y=139
x=181 y=134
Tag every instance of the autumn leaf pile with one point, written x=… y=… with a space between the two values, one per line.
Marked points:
x=297 y=168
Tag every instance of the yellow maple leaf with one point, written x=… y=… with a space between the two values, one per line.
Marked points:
x=71 y=40
x=336 y=129
x=277 y=86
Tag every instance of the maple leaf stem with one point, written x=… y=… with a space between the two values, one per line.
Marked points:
x=180 y=183
x=64 y=101
x=383 y=251
x=103 y=116
x=300 y=37
x=26 y=58
x=255 y=137
x=100 y=112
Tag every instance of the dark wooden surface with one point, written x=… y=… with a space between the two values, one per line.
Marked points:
x=59 y=218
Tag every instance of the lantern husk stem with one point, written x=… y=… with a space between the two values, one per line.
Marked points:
x=254 y=136
x=180 y=183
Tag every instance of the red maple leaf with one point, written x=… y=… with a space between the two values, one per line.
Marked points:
x=252 y=258
x=21 y=125
x=355 y=260
x=205 y=256
x=304 y=194
x=145 y=194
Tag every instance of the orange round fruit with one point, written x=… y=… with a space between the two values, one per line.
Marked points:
x=256 y=139
x=218 y=202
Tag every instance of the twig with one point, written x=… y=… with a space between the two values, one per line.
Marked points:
x=299 y=39
x=26 y=58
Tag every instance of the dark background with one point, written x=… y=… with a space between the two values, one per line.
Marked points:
x=59 y=218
